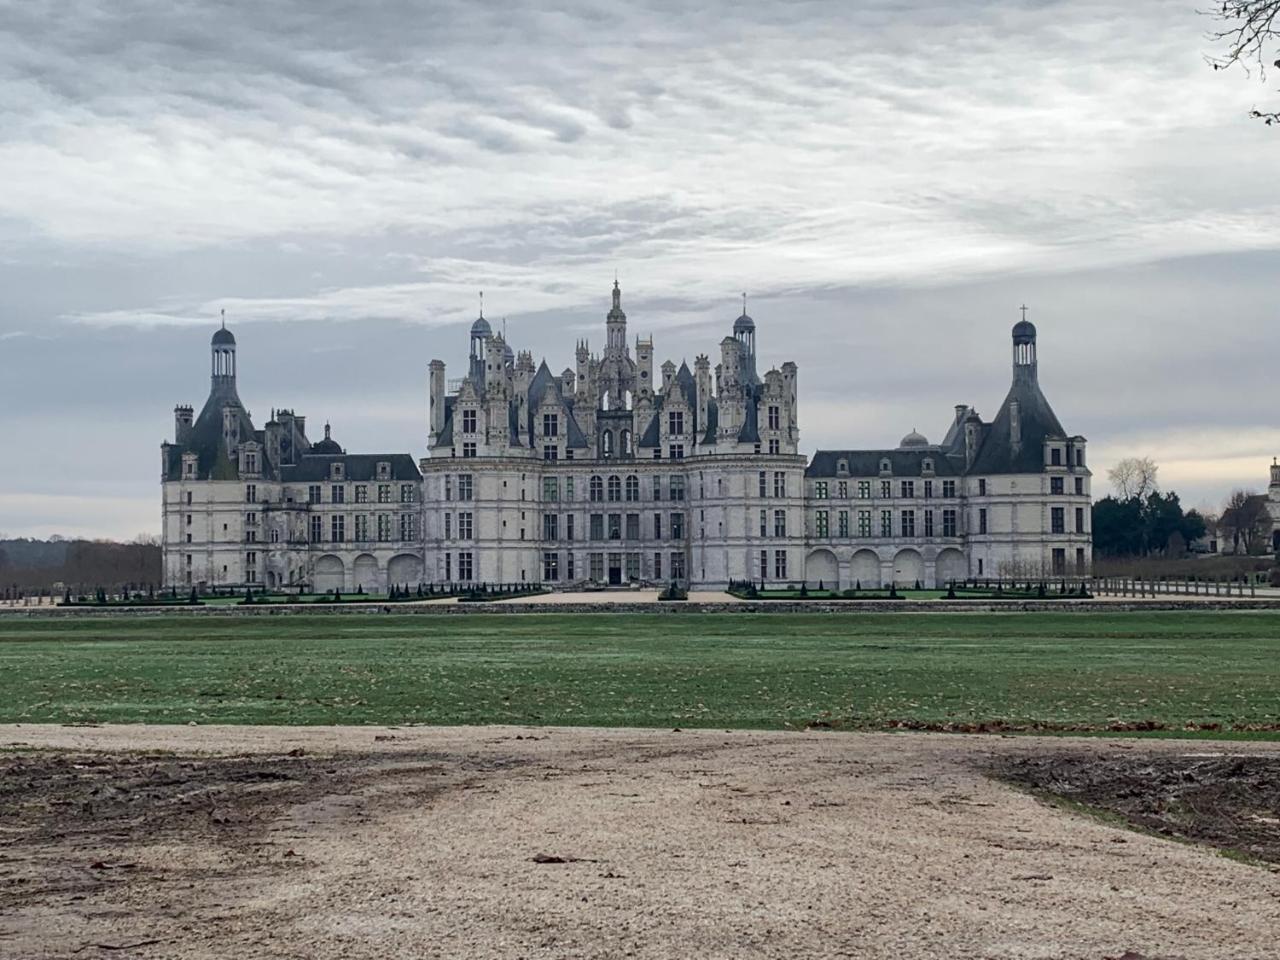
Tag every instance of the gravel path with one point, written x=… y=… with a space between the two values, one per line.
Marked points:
x=505 y=842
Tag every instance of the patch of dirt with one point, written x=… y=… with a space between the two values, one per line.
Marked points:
x=1229 y=802
x=65 y=818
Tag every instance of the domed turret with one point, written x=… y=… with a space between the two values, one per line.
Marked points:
x=744 y=324
x=1024 y=330
x=222 y=350
x=912 y=440
x=328 y=445
x=481 y=328
x=222 y=337
x=1024 y=349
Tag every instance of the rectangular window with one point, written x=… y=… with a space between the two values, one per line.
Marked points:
x=886 y=490
x=551 y=452
x=948 y=488
x=550 y=566
x=448 y=488
x=384 y=527
x=1059 y=561
x=657 y=566
x=468 y=450
x=676 y=488
x=864 y=523
x=550 y=489
x=633 y=489
x=774 y=447
x=779 y=523
x=362 y=493
x=1079 y=519
x=948 y=523
x=313 y=493
x=468 y=421
x=908 y=523
x=448 y=526
x=568 y=488
x=675 y=451
x=657 y=526
x=908 y=489
x=657 y=488
x=568 y=528
x=764 y=564
x=821 y=523
x=633 y=526
x=779 y=484
x=384 y=493
x=595 y=526
x=774 y=419
x=1079 y=486
x=1056 y=486
x=317 y=529
x=633 y=566
x=842 y=489
x=982 y=486
x=466 y=569
x=615 y=526
x=250 y=493
x=448 y=566
x=675 y=422
x=677 y=526
x=764 y=523
x=928 y=523
x=764 y=484
x=550 y=425
x=408 y=526
x=362 y=527
x=982 y=520
x=928 y=489
x=338 y=494
x=677 y=566
x=465 y=486
x=550 y=527
x=843 y=529
x=886 y=523
x=1057 y=520
x=864 y=489
x=408 y=493
x=1055 y=456
x=780 y=564
x=1080 y=560
x=466 y=525
x=337 y=528
x=820 y=490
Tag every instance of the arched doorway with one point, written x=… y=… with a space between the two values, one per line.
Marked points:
x=366 y=573
x=908 y=568
x=864 y=569
x=821 y=567
x=404 y=570
x=950 y=565
x=329 y=575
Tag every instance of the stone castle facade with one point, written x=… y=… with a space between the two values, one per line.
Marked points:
x=613 y=472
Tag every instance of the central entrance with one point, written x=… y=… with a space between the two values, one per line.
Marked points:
x=615 y=569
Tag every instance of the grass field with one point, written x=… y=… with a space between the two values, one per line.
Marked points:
x=1049 y=671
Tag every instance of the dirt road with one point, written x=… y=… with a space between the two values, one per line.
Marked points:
x=503 y=842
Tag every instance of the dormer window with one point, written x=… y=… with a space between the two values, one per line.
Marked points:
x=886 y=467
x=926 y=466
x=468 y=421
x=842 y=468
x=384 y=470
x=336 y=471
x=1055 y=456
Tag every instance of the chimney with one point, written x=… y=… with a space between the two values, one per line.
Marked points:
x=436 y=389
x=183 y=416
x=702 y=381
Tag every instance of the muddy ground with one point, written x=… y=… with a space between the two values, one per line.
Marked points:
x=502 y=842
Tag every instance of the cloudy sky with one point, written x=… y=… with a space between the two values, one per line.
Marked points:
x=887 y=180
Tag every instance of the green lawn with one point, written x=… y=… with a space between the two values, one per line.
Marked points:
x=1067 y=671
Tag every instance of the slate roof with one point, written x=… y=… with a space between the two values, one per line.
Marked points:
x=205 y=439
x=1037 y=421
x=866 y=463
x=356 y=466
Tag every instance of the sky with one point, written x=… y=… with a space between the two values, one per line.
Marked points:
x=887 y=181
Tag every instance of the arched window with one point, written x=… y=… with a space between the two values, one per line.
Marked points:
x=597 y=488
x=626 y=443
x=633 y=487
x=606 y=444
x=615 y=488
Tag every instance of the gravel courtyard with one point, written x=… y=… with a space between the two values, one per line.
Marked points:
x=324 y=842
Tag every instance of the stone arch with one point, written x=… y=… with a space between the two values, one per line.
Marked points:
x=951 y=565
x=365 y=571
x=821 y=565
x=330 y=574
x=864 y=569
x=404 y=570
x=908 y=567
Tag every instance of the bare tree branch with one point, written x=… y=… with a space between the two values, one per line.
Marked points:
x=1249 y=32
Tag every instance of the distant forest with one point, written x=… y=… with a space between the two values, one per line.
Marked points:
x=35 y=564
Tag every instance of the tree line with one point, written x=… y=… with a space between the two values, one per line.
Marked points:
x=1137 y=520
x=30 y=564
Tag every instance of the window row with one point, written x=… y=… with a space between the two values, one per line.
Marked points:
x=364 y=527
x=907 y=489
x=385 y=493
x=909 y=525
